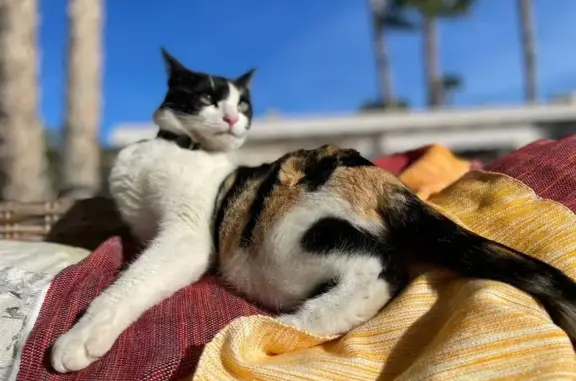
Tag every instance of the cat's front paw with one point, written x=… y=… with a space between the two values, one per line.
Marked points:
x=303 y=324
x=81 y=346
x=319 y=327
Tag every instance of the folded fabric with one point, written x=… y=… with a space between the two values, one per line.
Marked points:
x=441 y=327
x=437 y=168
x=427 y=170
x=398 y=162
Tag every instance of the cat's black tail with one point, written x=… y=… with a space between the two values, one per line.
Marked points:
x=418 y=229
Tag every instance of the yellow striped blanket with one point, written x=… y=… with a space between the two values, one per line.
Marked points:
x=441 y=327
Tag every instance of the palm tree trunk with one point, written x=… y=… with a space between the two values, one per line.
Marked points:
x=431 y=56
x=529 y=50
x=383 y=65
x=378 y=9
x=81 y=165
x=22 y=143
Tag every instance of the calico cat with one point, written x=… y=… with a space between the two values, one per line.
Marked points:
x=323 y=235
x=331 y=238
x=165 y=190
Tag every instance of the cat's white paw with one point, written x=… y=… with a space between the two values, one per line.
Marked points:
x=304 y=325
x=85 y=343
x=326 y=326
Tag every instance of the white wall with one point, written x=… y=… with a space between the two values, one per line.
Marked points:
x=376 y=133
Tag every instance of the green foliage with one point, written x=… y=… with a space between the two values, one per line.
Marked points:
x=392 y=17
x=52 y=146
x=54 y=155
x=451 y=82
x=53 y=137
x=379 y=105
x=435 y=8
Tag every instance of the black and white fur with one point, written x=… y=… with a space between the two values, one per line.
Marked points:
x=165 y=190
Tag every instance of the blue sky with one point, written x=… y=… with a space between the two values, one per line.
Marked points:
x=313 y=57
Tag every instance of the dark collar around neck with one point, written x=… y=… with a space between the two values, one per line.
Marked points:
x=182 y=141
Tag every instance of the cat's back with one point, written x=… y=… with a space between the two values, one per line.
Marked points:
x=144 y=156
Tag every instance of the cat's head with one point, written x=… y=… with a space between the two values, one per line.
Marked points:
x=214 y=111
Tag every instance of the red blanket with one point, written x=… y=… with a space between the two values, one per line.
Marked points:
x=164 y=344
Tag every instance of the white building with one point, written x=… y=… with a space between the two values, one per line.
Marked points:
x=376 y=133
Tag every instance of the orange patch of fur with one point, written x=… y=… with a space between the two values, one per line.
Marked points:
x=235 y=218
x=365 y=188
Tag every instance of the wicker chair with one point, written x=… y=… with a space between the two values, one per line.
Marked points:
x=83 y=223
x=30 y=221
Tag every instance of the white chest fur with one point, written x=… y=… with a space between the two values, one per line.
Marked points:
x=156 y=180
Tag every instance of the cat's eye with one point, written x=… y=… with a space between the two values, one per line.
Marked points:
x=243 y=107
x=206 y=100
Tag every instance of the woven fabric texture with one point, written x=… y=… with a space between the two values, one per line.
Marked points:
x=547 y=166
x=163 y=344
x=166 y=342
x=442 y=327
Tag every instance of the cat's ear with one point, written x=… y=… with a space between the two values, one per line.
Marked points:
x=245 y=79
x=172 y=64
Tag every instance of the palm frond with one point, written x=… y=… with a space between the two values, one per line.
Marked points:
x=435 y=8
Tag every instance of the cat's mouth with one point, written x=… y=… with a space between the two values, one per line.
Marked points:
x=226 y=133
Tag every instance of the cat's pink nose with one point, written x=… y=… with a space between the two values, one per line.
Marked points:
x=231 y=119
